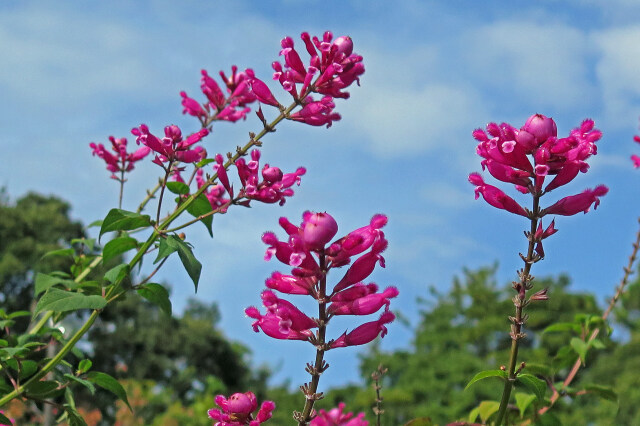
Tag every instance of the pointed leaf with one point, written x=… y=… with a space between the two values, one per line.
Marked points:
x=75 y=419
x=117 y=273
x=487 y=408
x=60 y=252
x=118 y=246
x=523 y=400
x=580 y=347
x=179 y=188
x=487 y=373
x=597 y=344
x=191 y=264
x=604 y=392
x=87 y=384
x=158 y=295
x=166 y=247
x=107 y=382
x=200 y=164
x=27 y=368
x=57 y=300
x=42 y=388
x=535 y=385
x=44 y=282
x=562 y=326
x=122 y=220
x=539 y=369
x=201 y=206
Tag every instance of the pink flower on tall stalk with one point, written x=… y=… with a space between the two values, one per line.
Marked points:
x=120 y=161
x=237 y=410
x=311 y=255
x=536 y=162
x=337 y=417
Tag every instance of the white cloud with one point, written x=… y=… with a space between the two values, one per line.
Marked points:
x=541 y=65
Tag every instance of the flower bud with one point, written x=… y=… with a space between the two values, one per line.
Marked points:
x=318 y=229
x=541 y=127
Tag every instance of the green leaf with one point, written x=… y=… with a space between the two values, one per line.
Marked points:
x=548 y=419
x=87 y=242
x=179 y=188
x=523 y=400
x=191 y=264
x=581 y=348
x=57 y=300
x=473 y=415
x=487 y=373
x=158 y=295
x=597 y=344
x=87 y=384
x=107 y=382
x=201 y=206
x=95 y=223
x=17 y=314
x=75 y=419
x=13 y=352
x=487 y=408
x=117 y=273
x=27 y=368
x=200 y=164
x=44 y=282
x=42 y=389
x=535 y=385
x=122 y=220
x=60 y=252
x=118 y=246
x=539 y=369
x=604 y=392
x=5 y=420
x=84 y=366
x=562 y=326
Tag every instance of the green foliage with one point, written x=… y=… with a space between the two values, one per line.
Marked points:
x=173 y=243
x=122 y=220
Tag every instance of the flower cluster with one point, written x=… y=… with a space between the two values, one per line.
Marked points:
x=274 y=186
x=172 y=147
x=336 y=417
x=526 y=157
x=232 y=107
x=311 y=256
x=122 y=161
x=332 y=64
x=238 y=408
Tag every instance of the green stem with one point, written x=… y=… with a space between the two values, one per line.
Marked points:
x=519 y=319
x=150 y=195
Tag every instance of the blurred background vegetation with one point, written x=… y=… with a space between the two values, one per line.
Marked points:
x=174 y=366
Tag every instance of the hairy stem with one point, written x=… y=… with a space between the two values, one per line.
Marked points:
x=519 y=319
x=319 y=366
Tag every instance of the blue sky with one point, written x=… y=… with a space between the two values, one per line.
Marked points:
x=77 y=72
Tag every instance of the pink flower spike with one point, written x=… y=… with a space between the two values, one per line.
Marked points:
x=237 y=410
x=495 y=196
x=365 y=333
x=573 y=204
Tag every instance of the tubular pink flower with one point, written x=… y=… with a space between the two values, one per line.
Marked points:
x=192 y=107
x=365 y=333
x=291 y=317
x=212 y=91
x=261 y=91
x=364 y=305
x=317 y=113
x=495 y=196
x=289 y=284
x=272 y=326
x=363 y=266
x=354 y=292
x=573 y=204
x=337 y=417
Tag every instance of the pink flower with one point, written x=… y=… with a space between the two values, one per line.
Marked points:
x=365 y=333
x=495 y=196
x=318 y=113
x=318 y=229
x=337 y=417
x=172 y=147
x=634 y=158
x=238 y=408
x=122 y=161
x=573 y=204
